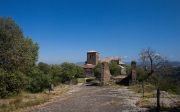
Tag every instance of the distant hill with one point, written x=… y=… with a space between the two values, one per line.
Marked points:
x=127 y=63
x=172 y=63
x=80 y=63
x=175 y=63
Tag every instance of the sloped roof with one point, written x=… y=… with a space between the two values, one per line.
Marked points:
x=92 y=51
x=88 y=66
x=109 y=59
x=121 y=63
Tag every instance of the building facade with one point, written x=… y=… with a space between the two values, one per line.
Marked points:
x=93 y=59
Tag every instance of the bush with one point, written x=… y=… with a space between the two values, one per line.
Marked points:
x=141 y=74
x=114 y=69
x=37 y=81
x=167 y=84
x=56 y=80
x=97 y=70
x=10 y=83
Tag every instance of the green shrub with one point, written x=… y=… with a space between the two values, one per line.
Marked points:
x=37 y=81
x=97 y=70
x=56 y=80
x=10 y=83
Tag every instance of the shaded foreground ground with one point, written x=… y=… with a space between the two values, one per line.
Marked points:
x=86 y=98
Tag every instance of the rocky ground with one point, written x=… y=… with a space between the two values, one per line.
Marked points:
x=87 y=98
x=90 y=98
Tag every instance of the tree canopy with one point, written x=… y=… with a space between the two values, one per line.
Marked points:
x=114 y=69
x=16 y=51
x=97 y=70
x=18 y=55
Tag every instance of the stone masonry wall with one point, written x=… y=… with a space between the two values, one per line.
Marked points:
x=133 y=71
x=105 y=73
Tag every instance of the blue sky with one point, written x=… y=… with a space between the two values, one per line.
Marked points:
x=66 y=29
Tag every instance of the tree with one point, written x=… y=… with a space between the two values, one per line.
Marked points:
x=45 y=68
x=36 y=80
x=114 y=69
x=79 y=72
x=10 y=83
x=69 y=71
x=153 y=62
x=16 y=52
x=141 y=74
x=128 y=69
x=97 y=70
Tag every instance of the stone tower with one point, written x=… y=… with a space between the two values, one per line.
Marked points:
x=92 y=57
x=133 y=71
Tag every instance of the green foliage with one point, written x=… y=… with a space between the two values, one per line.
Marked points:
x=167 y=84
x=11 y=83
x=56 y=74
x=70 y=71
x=141 y=74
x=44 y=67
x=97 y=70
x=114 y=69
x=16 y=52
x=37 y=81
x=79 y=72
x=128 y=69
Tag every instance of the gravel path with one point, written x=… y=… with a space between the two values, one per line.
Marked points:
x=84 y=98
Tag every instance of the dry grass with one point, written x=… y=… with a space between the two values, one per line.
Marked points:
x=26 y=100
x=115 y=102
x=147 y=88
x=143 y=101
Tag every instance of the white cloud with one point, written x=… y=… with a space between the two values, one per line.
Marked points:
x=125 y=56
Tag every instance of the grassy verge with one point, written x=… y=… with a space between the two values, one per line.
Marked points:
x=26 y=100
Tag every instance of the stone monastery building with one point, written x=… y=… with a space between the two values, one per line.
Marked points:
x=93 y=59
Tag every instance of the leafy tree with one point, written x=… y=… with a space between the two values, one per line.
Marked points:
x=70 y=71
x=128 y=69
x=141 y=74
x=114 y=69
x=37 y=80
x=45 y=68
x=16 y=52
x=79 y=72
x=56 y=74
x=11 y=83
x=97 y=70
x=17 y=56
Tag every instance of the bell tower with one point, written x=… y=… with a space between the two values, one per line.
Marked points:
x=92 y=57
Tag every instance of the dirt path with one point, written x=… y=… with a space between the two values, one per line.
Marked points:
x=86 y=98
